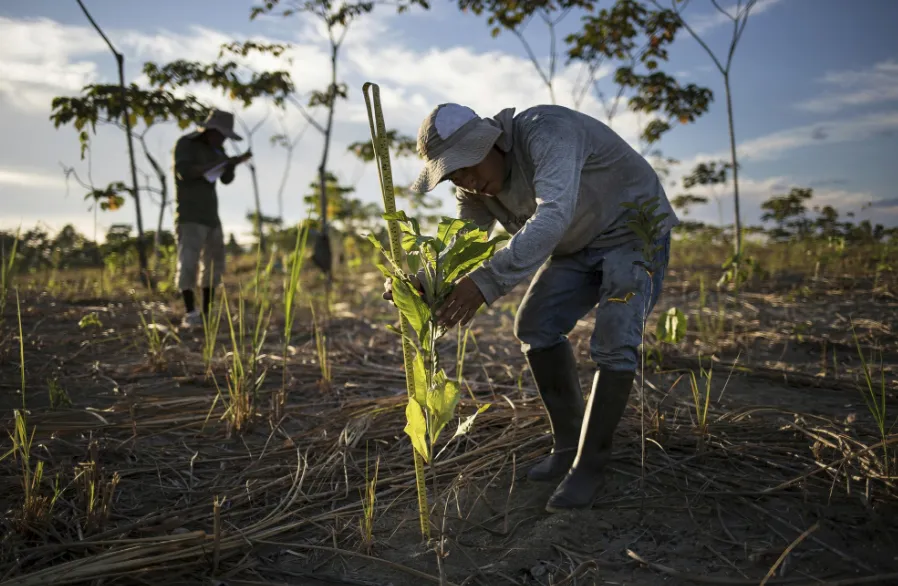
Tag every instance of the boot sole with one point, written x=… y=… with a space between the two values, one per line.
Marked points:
x=562 y=509
x=545 y=479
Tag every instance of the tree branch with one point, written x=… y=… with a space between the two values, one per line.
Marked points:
x=695 y=36
x=99 y=30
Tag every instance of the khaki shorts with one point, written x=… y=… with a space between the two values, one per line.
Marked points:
x=198 y=243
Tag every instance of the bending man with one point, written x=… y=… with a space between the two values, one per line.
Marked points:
x=555 y=179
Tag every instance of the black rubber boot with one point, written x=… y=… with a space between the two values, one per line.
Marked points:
x=607 y=401
x=555 y=372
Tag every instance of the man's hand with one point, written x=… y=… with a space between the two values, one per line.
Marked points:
x=236 y=160
x=461 y=305
x=388 y=287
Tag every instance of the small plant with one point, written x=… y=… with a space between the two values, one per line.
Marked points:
x=245 y=370
x=95 y=490
x=670 y=329
x=437 y=263
x=58 y=395
x=36 y=508
x=7 y=266
x=91 y=320
x=369 y=500
x=321 y=350
x=875 y=395
x=701 y=398
x=646 y=224
x=291 y=295
x=211 y=327
x=156 y=337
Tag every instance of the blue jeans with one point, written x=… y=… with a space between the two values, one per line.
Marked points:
x=567 y=287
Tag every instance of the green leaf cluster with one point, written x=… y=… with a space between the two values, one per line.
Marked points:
x=646 y=224
x=435 y=263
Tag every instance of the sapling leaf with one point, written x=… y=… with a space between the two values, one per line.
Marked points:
x=384 y=270
x=441 y=402
x=416 y=427
x=448 y=228
x=411 y=305
x=420 y=378
x=414 y=261
x=397 y=216
x=468 y=254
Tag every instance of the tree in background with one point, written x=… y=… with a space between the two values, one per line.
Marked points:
x=337 y=19
x=788 y=212
x=419 y=205
x=151 y=107
x=739 y=19
x=120 y=62
x=627 y=36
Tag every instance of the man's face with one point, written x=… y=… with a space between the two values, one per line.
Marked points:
x=215 y=138
x=484 y=178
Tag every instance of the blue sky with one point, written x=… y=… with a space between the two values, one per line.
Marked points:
x=815 y=87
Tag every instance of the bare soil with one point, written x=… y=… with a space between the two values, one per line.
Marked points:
x=789 y=474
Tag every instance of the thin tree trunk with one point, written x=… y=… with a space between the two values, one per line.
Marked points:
x=163 y=195
x=322 y=168
x=732 y=127
x=259 y=224
x=120 y=60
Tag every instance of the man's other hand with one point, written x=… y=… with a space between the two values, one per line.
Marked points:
x=461 y=304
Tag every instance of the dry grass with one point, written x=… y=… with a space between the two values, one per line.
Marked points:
x=154 y=489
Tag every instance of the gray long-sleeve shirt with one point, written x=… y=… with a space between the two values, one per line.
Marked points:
x=567 y=176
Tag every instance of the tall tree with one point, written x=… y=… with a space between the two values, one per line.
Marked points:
x=739 y=19
x=515 y=17
x=103 y=104
x=628 y=36
x=120 y=62
x=337 y=18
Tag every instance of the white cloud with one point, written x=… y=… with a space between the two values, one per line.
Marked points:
x=715 y=18
x=41 y=58
x=753 y=192
x=773 y=145
x=28 y=179
x=873 y=85
x=411 y=82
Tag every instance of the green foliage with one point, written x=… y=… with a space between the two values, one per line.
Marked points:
x=646 y=224
x=90 y=320
x=230 y=77
x=788 y=212
x=628 y=33
x=436 y=262
x=685 y=200
x=332 y=14
x=103 y=103
x=671 y=326
x=400 y=145
x=351 y=214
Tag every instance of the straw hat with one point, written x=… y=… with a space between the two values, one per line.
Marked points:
x=221 y=121
x=452 y=137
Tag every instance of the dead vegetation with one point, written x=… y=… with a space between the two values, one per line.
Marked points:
x=142 y=475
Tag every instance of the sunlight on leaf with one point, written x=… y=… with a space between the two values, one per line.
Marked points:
x=416 y=428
